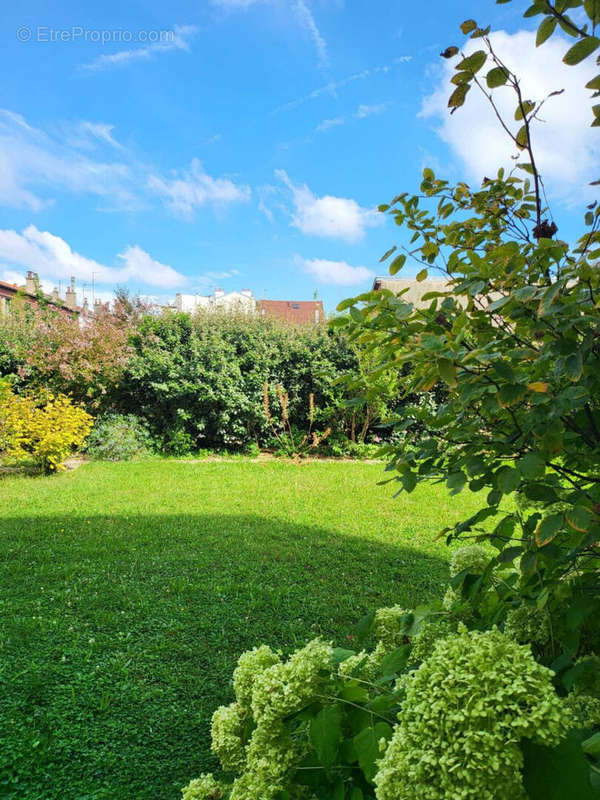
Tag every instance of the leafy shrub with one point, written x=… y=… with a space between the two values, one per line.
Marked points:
x=205 y=375
x=511 y=344
x=119 y=437
x=46 y=348
x=324 y=722
x=43 y=430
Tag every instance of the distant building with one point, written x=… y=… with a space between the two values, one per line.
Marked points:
x=301 y=312
x=229 y=302
x=30 y=292
x=416 y=289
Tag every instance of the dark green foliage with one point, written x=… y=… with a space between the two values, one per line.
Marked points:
x=200 y=379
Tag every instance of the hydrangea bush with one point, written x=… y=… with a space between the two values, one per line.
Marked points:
x=427 y=711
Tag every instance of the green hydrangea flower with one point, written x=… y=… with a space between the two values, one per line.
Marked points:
x=250 y=665
x=467 y=707
x=388 y=626
x=284 y=687
x=226 y=734
x=473 y=557
x=272 y=755
x=423 y=644
x=203 y=788
x=526 y=624
x=585 y=710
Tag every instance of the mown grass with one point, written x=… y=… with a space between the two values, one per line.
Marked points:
x=127 y=591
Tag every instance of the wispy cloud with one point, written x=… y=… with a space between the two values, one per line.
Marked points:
x=333 y=87
x=328 y=216
x=305 y=18
x=52 y=257
x=362 y=112
x=35 y=164
x=194 y=188
x=178 y=40
x=88 y=134
x=32 y=162
x=334 y=273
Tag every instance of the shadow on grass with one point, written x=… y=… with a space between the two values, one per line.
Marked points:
x=119 y=636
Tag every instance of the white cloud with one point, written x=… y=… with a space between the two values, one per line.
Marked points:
x=34 y=163
x=327 y=124
x=332 y=87
x=566 y=148
x=362 y=112
x=305 y=18
x=30 y=157
x=195 y=188
x=301 y=12
x=328 y=216
x=178 y=39
x=53 y=259
x=99 y=131
x=336 y=273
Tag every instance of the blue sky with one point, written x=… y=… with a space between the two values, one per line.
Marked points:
x=245 y=143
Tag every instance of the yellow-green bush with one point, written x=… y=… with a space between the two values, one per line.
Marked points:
x=44 y=430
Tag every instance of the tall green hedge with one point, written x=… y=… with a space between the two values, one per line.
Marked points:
x=201 y=378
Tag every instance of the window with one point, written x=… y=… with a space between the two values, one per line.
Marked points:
x=295 y=305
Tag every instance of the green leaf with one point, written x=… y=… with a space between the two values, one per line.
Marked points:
x=449 y=52
x=579 y=518
x=581 y=49
x=594 y=84
x=340 y=654
x=531 y=466
x=548 y=529
x=420 y=277
x=397 y=264
x=456 y=482
x=574 y=366
x=468 y=25
x=447 y=371
x=522 y=138
x=510 y=394
x=496 y=77
x=523 y=109
x=474 y=62
x=366 y=744
x=395 y=661
x=545 y=30
x=356 y=315
x=409 y=481
x=557 y=773
x=325 y=734
x=591 y=746
x=508 y=479
x=356 y=794
x=457 y=98
x=548 y=298
x=387 y=254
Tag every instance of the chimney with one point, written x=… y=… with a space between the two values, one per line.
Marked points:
x=55 y=297
x=70 y=296
x=32 y=283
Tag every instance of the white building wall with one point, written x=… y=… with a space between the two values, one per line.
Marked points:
x=229 y=302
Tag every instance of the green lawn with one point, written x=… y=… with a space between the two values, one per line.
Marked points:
x=128 y=590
